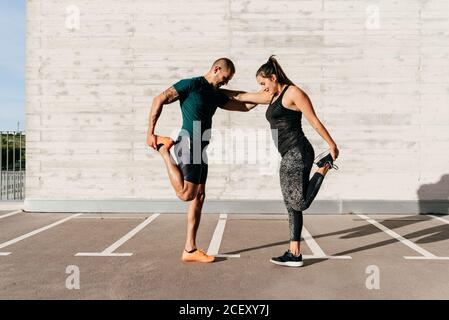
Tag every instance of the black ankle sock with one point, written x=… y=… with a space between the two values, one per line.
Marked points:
x=191 y=251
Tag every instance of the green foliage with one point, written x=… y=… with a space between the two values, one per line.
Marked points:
x=13 y=151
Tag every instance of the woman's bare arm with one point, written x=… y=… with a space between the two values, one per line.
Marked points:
x=302 y=103
x=260 y=97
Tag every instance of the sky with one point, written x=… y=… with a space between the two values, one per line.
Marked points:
x=12 y=64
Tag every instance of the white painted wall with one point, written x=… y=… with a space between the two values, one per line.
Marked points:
x=377 y=73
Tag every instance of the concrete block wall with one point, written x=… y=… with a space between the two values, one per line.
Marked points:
x=377 y=73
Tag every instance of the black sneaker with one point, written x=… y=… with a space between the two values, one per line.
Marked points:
x=288 y=260
x=325 y=158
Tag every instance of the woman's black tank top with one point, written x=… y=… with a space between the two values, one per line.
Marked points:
x=287 y=124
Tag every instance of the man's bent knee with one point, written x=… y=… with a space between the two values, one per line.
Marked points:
x=189 y=192
x=186 y=196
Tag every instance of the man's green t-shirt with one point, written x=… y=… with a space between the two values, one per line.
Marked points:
x=199 y=101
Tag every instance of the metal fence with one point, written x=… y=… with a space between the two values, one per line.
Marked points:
x=12 y=165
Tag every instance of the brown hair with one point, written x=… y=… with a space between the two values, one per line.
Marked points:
x=271 y=67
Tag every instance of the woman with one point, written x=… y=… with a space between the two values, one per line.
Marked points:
x=286 y=107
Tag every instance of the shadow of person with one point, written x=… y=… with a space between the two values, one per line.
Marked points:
x=423 y=235
x=349 y=233
x=433 y=197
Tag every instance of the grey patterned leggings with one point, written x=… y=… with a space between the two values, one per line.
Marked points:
x=297 y=190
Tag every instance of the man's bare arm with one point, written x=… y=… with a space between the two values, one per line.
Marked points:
x=234 y=105
x=168 y=96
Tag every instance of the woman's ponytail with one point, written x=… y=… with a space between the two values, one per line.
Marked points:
x=271 y=67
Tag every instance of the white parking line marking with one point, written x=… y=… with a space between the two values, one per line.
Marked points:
x=102 y=254
x=109 y=252
x=313 y=245
x=318 y=253
x=426 y=258
x=112 y=218
x=439 y=218
x=10 y=214
x=432 y=258
x=226 y=255
x=425 y=255
x=32 y=233
x=215 y=243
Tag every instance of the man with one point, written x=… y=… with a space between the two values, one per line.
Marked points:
x=199 y=98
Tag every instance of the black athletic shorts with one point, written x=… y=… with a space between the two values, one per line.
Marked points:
x=194 y=169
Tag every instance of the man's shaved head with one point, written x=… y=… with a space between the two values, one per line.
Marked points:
x=225 y=64
x=221 y=72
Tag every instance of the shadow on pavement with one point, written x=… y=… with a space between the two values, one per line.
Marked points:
x=429 y=235
x=439 y=191
x=426 y=193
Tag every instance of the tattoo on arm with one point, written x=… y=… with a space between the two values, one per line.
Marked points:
x=170 y=95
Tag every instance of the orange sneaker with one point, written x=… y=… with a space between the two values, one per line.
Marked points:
x=164 y=141
x=197 y=256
